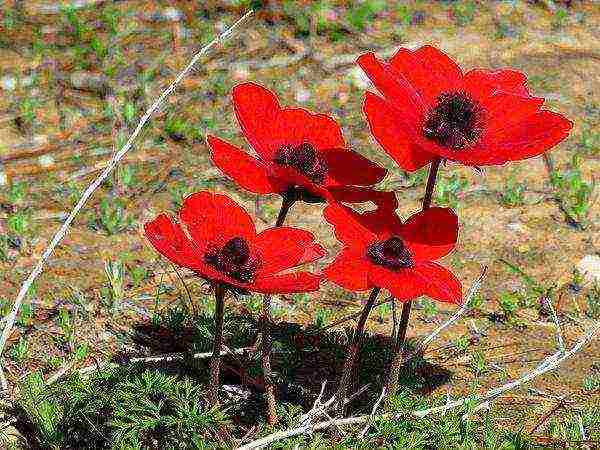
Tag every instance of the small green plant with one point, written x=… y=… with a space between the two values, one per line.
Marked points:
x=463 y=12
x=592 y=383
x=126 y=176
x=512 y=194
x=430 y=309
x=593 y=301
x=17 y=192
x=322 y=317
x=478 y=363
x=361 y=14
x=560 y=19
x=115 y=275
x=448 y=190
x=138 y=274
x=20 y=350
x=111 y=217
x=574 y=194
x=384 y=311
x=462 y=344
x=177 y=128
x=509 y=304
x=25 y=317
x=18 y=223
x=65 y=323
x=178 y=191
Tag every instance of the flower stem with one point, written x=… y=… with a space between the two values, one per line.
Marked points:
x=267 y=343
x=266 y=321
x=353 y=350
x=286 y=203
x=398 y=358
x=215 y=361
x=433 y=171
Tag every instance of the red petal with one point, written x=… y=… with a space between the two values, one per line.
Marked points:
x=387 y=126
x=482 y=84
x=349 y=167
x=168 y=238
x=394 y=87
x=532 y=136
x=429 y=71
x=438 y=282
x=267 y=126
x=404 y=284
x=352 y=194
x=256 y=109
x=215 y=218
x=286 y=247
x=431 y=234
x=504 y=110
x=349 y=270
x=286 y=284
x=248 y=172
x=347 y=229
x=295 y=126
x=381 y=221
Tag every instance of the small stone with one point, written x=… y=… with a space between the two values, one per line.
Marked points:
x=302 y=95
x=358 y=78
x=589 y=267
x=167 y=15
x=8 y=83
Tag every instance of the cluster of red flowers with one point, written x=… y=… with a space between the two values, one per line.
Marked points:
x=429 y=111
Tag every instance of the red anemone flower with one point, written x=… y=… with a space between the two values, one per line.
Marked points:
x=431 y=109
x=216 y=238
x=381 y=251
x=300 y=155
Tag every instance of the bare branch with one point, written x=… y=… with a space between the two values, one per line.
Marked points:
x=458 y=314
x=363 y=433
x=63 y=230
x=559 y=334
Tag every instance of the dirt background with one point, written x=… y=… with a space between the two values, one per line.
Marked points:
x=61 y=142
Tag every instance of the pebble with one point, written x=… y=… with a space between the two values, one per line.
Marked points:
x=167 y=15
x=8 y=82
x=358 y=78
x=302 y=95
x=589 y=267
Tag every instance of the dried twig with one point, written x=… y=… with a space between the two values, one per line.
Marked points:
x=559 y=335
x=167 y=358
x=63 y=230
x=363 y=433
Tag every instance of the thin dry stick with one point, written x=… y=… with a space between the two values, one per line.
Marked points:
x=166 y=358
x=552 y=363
x=559 y=335
x=365 y=430
x=63 y=230
x=458 y=314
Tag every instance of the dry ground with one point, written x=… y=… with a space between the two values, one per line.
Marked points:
x=58 y=148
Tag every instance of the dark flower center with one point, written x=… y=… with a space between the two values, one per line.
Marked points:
x=305 y=159
x=234 y=260
x=456 y=121
x=391 y=254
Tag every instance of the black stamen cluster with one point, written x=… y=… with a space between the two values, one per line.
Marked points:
x=305 y=159
x=391 y=254
x=234 y=260
x=456 y=121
